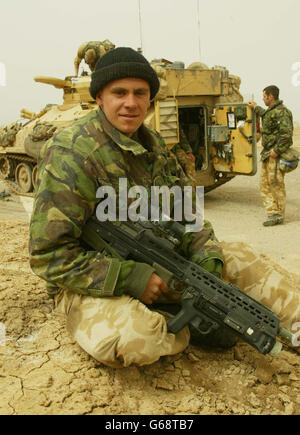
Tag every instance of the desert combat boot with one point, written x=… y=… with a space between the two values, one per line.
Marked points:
x=275 y=219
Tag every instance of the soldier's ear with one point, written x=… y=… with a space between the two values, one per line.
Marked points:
x=99 y=100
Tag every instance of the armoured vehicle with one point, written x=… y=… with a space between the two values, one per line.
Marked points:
x=201 y=103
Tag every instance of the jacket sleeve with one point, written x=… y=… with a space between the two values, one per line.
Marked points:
x=79 y=55
x=284 y=137
x=260 y=111
x=65 y=199
x=204 y=249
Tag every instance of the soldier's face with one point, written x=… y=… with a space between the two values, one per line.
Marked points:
x=268 y=99
x=125 y=103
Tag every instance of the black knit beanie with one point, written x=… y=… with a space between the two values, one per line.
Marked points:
x=120 y=63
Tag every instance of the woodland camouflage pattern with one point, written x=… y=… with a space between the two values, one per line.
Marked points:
x=277 y=128
x=182 y=151
x=98 y=47
x=73 y=164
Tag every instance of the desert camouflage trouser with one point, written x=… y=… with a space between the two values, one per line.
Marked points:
x=120 y=331
x=263 y=280
x=272 y=188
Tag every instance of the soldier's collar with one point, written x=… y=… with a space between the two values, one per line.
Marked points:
x=277 y=103
x=123 y=141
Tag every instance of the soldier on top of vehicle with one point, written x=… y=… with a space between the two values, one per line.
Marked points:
x=90 y=52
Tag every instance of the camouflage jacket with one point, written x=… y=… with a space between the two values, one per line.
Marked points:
x=277 y=128
x=99 y=47
x=183 y=143
x=73 y=165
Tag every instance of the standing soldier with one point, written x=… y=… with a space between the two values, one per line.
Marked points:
x=91 y=51
x=277 y=137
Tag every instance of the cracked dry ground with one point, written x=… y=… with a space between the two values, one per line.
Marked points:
x=43 y=371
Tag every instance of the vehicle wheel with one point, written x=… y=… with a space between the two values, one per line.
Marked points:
x=34 y=176
x=23 y=176
x=5 y=168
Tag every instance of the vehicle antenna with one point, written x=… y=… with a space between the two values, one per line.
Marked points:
x=198 y=22
x=140 y=49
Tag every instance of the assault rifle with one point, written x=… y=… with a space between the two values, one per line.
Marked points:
x=207 y=302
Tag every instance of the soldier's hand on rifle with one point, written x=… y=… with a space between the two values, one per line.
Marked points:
x=252 y=104
x=156 y=286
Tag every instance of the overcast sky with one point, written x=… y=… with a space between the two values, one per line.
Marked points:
x=257 y=40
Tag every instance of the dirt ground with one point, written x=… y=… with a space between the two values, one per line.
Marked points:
x=43 y=371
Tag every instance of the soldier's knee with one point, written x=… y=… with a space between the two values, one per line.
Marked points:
x=138 y=341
